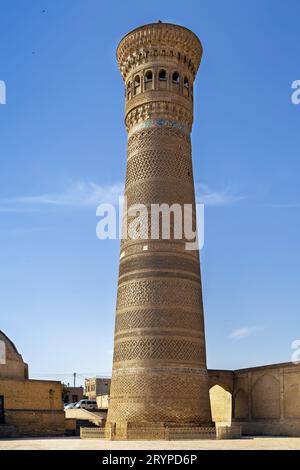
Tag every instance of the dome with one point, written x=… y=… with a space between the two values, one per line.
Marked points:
x=12 y=365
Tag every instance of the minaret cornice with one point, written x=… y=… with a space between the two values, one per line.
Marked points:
x=156 y=42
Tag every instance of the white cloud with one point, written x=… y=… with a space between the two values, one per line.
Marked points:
x=210 y=197
x=10 y=209
x=242 y=333
x=81 y=194
x=89 y=194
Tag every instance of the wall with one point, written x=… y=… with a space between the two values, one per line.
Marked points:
x=33 y=407
x=220 y=393
x=221 y=405
x=103 y=386
x=97 y=386
x=102 y=401
x=265 y=400
x=73 y=394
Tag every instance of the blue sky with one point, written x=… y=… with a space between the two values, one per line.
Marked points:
x=63 y=148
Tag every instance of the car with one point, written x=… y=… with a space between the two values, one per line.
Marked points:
x=87 y=404
x=70 y=405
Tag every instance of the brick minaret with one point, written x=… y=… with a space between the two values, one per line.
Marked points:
x=159 y=383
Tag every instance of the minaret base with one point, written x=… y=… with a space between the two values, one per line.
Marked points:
x=158 y=431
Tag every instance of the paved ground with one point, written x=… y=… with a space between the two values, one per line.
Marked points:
x=74 y=443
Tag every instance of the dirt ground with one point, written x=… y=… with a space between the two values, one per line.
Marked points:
x=75 y=443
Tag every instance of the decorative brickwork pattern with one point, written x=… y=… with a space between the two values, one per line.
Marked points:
x=131 y=247
x=156 y=261
x=166 y=136
x=151 y=164
x=159 y=42
x=174 y=317
x=159 y=292
x=153 y=384
x=162 y=110
x=161 y=349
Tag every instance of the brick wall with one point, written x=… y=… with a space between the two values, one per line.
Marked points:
x=33 y=407
x=265 y=400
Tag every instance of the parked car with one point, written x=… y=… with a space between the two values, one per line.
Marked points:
x=70 y=405
x=87 y=404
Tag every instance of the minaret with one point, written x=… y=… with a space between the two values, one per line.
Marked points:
x=159 y=381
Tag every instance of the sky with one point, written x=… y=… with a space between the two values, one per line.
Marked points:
x=63 y=150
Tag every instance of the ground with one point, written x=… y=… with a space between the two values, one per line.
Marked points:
x=74 y=443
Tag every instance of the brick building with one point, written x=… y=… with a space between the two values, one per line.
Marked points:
x=27 y=407
x=73 y=394
x=97 y=386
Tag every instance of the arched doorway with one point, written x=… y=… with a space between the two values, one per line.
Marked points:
x=221 y=404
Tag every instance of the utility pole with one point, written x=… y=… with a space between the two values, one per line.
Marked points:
x=74 y=375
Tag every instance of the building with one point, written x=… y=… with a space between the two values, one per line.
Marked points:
x=159 y=365
x=262 y=400
x=12 y=365
x=72 y=394
x=96 y=386
x=27 y=407
x=102 y=401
